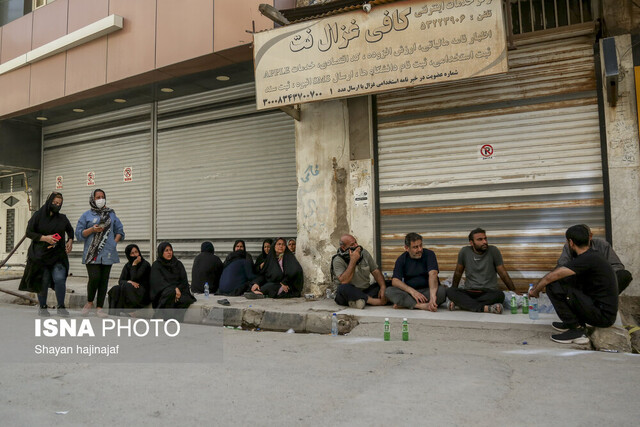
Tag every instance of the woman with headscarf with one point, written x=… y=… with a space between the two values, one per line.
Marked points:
x=237 y=274
x=291 y=244
x=239 y=245
x=132 y=290
x=266 y=247
x=101 y=230
x=47 y=260
x=207 y=268
x=281 y=275
x=169 y=284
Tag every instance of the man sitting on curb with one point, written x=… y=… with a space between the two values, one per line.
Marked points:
x=415 y=278
x=603 y=247
x=351 y=267
x=481 y=262
x=592 y=298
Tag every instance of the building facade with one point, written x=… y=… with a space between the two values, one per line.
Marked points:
x=161 y=112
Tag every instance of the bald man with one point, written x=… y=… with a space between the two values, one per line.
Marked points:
x=351 y=269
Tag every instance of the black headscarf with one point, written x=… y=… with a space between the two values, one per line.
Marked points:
x=127 y=252
x=167 y=274
x=263 y=255
x=47 y=208
x=233 y=255
x=290 y=274
x=207 y=247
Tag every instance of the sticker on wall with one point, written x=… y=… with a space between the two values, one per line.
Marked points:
x=361 y=197
x=58 y=182
x=127 y=174
x=487 y=152
x=91 y=178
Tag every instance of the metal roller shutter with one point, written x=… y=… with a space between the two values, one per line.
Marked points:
x=545 y=175
x=104 y=144
x=225 y=172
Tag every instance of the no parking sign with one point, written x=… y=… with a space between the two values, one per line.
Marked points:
x=127 y=174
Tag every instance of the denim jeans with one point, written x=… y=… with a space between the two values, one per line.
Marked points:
x=58 y=275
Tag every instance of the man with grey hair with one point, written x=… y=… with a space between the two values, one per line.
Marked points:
x=350 y=270
x=603 y=247
x=415 y=281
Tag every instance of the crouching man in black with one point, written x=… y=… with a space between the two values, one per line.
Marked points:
x=591 y=298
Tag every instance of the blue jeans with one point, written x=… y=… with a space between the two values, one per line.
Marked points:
x=58 y=275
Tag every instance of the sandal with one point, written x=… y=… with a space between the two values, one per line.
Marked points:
x=253 y=295
x=224 y=301
x=495 y=308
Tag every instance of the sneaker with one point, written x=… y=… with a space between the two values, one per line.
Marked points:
x=101 y=313
x=63 y=312
x=560 y=326
x=43 y=312
x=359 y=304
x=572 y=336
x=86 y=309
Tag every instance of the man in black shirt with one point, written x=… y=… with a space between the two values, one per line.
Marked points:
x=592 y=298
x=415 y=278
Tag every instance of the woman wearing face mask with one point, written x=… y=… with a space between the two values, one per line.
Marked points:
x=132 y=290
x=47 y=261
x=101 y=230
x=239 y=245
x=281 y=275
x=169 y=285
x=266 y=247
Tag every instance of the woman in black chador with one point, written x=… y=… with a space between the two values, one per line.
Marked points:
x=169 y=285
x=281 y=276
x=132 y=290
x=47 y=261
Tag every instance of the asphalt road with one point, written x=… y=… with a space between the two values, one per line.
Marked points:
x=443 y=376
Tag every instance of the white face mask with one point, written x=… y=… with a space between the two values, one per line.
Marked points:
x=100 y=203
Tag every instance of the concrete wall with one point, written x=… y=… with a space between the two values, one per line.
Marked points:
x=623 y=152
x=330 y=178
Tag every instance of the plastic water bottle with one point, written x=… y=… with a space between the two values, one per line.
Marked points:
x=206 y=290
x=405 y=330
x=533 y=305
x=334 y=325
x=387 y=329
x=514 y=305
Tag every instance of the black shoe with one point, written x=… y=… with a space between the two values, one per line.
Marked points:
x=43 y=312
x=572 y=336
x=63 y=312
x=560 y=326
x=252 y=295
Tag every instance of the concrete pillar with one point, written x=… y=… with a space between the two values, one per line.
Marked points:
x=335 y=184
x=623 y=152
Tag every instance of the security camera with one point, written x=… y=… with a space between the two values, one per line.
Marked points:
x=366 y=7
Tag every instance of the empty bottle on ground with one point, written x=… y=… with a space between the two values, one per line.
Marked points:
x=387 y=329
x=334 y=325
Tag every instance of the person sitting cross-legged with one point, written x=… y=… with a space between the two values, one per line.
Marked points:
x=415 y=278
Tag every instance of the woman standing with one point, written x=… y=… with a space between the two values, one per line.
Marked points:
x=47 y=261
x=281 y=276
x=101 y=230
x=169 y=284
x=132 y=290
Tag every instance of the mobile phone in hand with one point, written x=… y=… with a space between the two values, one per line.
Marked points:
x=57 y=236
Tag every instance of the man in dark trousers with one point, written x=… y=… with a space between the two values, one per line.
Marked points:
x=592 y=298
x=623 y=276
x=351 y=268
x=481 y=261
x=415 y=278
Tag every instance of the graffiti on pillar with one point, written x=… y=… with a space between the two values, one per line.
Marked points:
x=309 y=172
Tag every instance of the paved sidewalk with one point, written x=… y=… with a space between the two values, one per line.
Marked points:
x=301 y=315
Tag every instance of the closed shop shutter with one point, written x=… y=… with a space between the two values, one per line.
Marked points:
x=105 y=145
x=225 y=172
x=545 y=174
